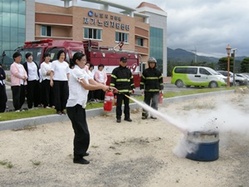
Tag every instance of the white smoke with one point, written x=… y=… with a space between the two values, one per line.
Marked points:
x=225 y=115
x=228 y=117
x=184 y=147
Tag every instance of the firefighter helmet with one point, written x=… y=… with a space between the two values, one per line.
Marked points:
x=152 y=59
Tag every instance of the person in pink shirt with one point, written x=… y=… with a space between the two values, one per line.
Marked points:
x=100 y=76
x=18 y=81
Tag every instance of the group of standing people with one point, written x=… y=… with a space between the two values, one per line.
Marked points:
x=151 y=84
x=99 y=76
x=46 y=86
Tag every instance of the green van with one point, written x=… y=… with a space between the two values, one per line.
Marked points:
x=197 y=76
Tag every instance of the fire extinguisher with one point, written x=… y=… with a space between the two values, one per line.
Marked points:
x=160 y=98
x=108 y=102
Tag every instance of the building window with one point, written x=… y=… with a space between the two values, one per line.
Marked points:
x=140 y=41
x=45 y=30
x=120 y=36
x=156 y=45
x=90 y=33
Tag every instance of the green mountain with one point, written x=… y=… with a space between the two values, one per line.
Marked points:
x=181 y=55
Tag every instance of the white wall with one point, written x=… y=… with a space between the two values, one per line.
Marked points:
x=30 y=20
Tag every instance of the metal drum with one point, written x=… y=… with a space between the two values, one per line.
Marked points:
x=206 y=145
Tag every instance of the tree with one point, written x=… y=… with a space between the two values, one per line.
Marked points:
x=222 y=64
x=245 y=65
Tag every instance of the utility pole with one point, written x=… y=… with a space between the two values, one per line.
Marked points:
x=228 y=48
x=195 y=53
x=234 y=69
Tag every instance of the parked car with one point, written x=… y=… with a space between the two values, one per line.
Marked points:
x=197 y=76
x=243 y=76
x=238 y=80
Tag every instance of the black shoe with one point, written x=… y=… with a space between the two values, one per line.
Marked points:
x=128 y=119
x=85 y=154
x=118 y=120
x=80 y=161
x=153 y=117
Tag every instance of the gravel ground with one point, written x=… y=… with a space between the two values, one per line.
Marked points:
x=141 y=153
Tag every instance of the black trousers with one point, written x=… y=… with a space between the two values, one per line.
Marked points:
x=90 y=96
x=47 y=93
x=18 y=95
x=61 y=92
x=81 y=141
x=3 y=98
x=151 y=99
x=100 y=94
x=120 y=99
x=33 y=93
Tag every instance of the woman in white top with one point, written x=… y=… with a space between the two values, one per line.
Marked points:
x=33 y=91
x=59 y=81
x=47 y=91
x=90 y=71
x=79 y=84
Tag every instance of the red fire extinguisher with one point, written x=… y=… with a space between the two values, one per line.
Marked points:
x=108 y=102
x=160 y=98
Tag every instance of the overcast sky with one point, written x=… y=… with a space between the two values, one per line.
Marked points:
x=206 y=26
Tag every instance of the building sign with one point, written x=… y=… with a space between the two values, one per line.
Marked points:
x=105 y=20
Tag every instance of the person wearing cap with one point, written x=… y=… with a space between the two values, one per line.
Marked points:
x=80 y=82
x=3 y=95
x=18 y=77
x=47 y=91
x=122 y=79
x=151 y=84
x=33 y=91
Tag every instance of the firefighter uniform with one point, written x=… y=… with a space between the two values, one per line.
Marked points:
x=122 y=79
x=152 y=83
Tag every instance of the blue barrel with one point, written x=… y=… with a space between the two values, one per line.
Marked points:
x=206 y=145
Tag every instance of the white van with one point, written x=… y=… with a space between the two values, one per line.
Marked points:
x=196 y=76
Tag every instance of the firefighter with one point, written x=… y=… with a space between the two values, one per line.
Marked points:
x=151 y=84
x=122 y=79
